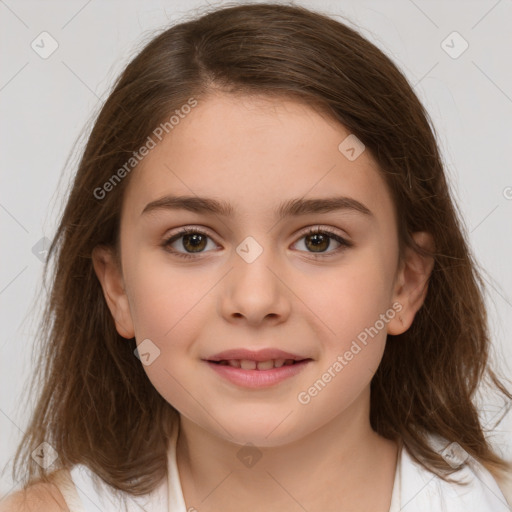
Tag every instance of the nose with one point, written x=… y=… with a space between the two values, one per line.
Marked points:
x=255 y=290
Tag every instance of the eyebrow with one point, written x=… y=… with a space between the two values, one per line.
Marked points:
x=292 y=207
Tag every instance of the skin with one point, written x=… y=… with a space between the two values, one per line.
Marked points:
x=257 y=152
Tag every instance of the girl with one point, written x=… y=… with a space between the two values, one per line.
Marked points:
x=263 y=298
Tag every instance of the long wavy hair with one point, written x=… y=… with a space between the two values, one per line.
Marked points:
x=96 y=405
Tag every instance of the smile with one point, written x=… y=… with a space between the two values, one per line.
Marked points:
x=247 y=364
x=262 y=374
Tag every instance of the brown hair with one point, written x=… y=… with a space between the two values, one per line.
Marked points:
x=96 y=404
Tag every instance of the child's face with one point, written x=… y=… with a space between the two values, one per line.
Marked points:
x=257 y=154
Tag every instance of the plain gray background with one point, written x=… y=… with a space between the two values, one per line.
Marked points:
x=46 y=102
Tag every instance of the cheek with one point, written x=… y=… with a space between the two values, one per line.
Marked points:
x=351 y=297
x=163 y=296
x=354 y=310
x=171 y=317
x=353 y=305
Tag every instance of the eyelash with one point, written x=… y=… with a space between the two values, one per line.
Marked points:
x=314 y=231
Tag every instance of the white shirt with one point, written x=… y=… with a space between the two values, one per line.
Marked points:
x=415 y=489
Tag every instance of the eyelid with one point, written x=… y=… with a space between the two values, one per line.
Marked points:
x=206 y=231
x=322 y=228
x=331 y=232
x=168 y=239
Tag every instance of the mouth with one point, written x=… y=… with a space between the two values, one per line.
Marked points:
x=257 y=368
x=259 y=372
x=248 y=364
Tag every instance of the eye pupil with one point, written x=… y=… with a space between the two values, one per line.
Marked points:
x=317 y=240
x=196 y=241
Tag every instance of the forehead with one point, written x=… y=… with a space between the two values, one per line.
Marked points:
x=255 y=152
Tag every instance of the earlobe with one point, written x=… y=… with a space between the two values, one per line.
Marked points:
x=110 y=277
x=412 y=282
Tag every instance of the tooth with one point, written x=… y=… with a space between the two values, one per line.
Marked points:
x=288 y=362
x=245 y=364
x=278 y=363
x=265 y=365
x=234 y=362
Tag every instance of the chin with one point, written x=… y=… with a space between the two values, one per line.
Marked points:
x=265 y=434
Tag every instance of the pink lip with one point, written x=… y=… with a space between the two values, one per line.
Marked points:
x=254 y=355
x=258 y=378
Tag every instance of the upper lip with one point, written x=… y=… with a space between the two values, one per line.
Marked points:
x=265 y=354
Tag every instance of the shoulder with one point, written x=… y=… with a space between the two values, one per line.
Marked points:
x=422 y=490
x=504 y=480
x=38 y=497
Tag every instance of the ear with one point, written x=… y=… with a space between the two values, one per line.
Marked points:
x=411 y=283
x=112 y=282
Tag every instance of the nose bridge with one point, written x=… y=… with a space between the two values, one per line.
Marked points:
x=252 y=263
x=254 y=288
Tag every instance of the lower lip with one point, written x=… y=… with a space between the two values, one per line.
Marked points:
x=258 y=378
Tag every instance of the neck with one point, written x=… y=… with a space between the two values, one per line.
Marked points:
x=342 y=459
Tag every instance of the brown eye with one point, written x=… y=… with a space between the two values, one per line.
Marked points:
x=188 y=241
x=318 y=242
x=194 y=242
